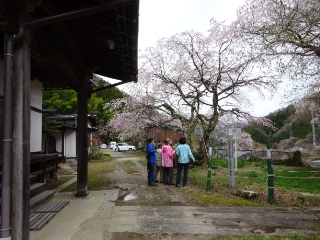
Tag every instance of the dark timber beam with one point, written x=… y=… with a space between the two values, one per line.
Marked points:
x=21 y=140
x=110 y=86
x=82 y=142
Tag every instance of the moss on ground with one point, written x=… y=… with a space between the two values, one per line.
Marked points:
x=97 y=179
x=52 y=184
x=62 y=172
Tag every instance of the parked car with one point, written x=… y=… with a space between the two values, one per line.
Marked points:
x=123 y=147
x=103 y=146
x=112 y=145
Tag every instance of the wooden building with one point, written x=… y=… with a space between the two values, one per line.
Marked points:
x=58 y=44
x=160 y=134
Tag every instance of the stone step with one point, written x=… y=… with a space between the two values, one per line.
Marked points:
x=40 y=198
x=36 y=189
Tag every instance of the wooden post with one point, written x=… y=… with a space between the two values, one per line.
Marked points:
x=82 y=142
x=21 y=140
x=232 y=183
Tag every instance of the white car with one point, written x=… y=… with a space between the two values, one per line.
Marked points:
x=112 y=145
x=123 y=147
x=103 y=146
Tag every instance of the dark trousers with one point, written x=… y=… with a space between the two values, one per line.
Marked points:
x=185 y=174
x=151 y=173
x=168 y=175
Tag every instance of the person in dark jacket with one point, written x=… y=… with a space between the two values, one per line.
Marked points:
x=152 y=162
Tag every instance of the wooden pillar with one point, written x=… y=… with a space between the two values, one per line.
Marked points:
x=21 y=140
x=82 y=142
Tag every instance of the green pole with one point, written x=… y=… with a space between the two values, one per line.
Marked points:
x=270 y=172
x=209 y=168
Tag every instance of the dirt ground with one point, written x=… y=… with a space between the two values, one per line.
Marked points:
x=130 y=176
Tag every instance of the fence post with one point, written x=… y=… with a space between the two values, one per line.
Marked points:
x=270 y=175
x=232 y=183
x=209 y=167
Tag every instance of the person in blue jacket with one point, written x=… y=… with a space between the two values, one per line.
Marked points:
x=184 y=153
x=152 y=162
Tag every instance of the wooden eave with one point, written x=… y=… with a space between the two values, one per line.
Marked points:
x=64 y=55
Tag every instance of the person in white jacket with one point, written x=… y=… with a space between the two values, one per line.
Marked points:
x=159 y=167
x=184 y=153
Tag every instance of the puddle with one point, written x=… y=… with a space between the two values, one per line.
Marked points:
x=129 y=197
x=125 y=194
x=118 y=170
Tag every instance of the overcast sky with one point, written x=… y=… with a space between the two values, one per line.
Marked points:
x=164 y=18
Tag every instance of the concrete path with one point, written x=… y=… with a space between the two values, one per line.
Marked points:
x=97 y=218
x=211 y=220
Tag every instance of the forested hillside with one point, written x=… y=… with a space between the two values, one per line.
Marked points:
x=301 y=126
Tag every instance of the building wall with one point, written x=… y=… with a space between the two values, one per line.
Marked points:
x=36 y=132
x=71 y=143
x=160 y=135
x=58 y=137
x=36 y=94
x=36 y=117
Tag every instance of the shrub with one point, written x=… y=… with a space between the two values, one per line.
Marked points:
x=198 y=155
x=301 y=198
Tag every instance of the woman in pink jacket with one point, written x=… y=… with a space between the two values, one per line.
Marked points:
x=167 y=162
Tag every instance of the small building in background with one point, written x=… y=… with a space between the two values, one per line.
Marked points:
x=64 y=140
x=161 y=133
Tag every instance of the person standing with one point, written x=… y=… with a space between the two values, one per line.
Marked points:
x=184 y=153
x=167 y=162
x=159 y=167
x=152 y=162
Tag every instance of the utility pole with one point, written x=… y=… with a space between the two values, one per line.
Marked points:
x=314 y=132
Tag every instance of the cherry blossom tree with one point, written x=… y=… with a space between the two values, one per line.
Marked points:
x=287 y=34
x=194 y=79
x=283 y=27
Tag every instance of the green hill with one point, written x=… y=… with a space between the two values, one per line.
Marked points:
x=301 y=126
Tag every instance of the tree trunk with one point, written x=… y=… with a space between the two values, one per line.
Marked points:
x=205 y=143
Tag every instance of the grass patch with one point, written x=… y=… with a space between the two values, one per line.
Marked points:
x=102 y=159
x=52 y=184
x=299 y=185
x=286 y=190
x=62 y=172
x=97 y=179
x=129 y=166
